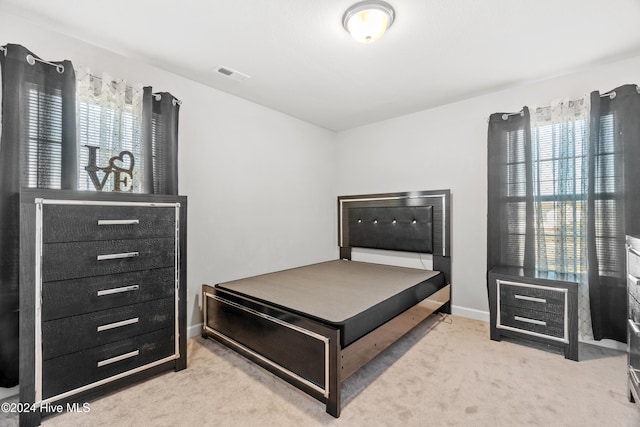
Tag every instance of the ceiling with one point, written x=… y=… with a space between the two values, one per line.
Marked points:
x=303 y=63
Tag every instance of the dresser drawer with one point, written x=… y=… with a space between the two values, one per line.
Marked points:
x=633 y=258
x=78 y=296
x=550 y=300
x=633 y=286
x=633 y=290
x=71 y=334
x=71 y=223
x=85 y=259
x=545 y=323
x=634 y=309
x=75 y=370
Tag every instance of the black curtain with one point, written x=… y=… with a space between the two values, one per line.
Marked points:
x=160 y=133
x=510 y=220
x=37 y=149
x=613 y=204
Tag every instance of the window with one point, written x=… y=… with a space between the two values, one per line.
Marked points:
x=109 y=123
x=559 y=171
x=559 y=164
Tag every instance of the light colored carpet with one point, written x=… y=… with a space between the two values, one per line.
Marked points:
x=444 y=373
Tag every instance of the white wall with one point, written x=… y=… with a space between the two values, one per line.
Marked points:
x=446 y=147
x=261 y=184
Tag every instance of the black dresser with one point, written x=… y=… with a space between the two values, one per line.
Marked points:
x=102 y=293
x=536 y=306
x=633 y=323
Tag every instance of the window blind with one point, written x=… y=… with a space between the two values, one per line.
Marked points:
x=42 y=154
x=158 y=153
x=110 y=118
x=514 y=208
x=609 y=230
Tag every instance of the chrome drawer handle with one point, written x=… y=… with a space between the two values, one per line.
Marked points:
x=118 y=256
x=118 y=290
x=105 y=362
x=118 y=324
x=535 y=322
x=526 y=298
x=633 y=278
x=634 y=327
x=633 y=250
x=118 y=221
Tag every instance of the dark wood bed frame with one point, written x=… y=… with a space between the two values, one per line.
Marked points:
x=307 y=353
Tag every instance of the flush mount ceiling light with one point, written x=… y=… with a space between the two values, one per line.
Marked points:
x=367 y=20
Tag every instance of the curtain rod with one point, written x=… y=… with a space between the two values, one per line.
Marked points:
x=156 y=95
x=31 y=60
x=505 y=116
x=175 y=101
x=611 y=95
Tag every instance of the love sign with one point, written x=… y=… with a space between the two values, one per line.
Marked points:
x=121 y=166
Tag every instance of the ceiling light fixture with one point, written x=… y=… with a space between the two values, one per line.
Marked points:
x=367 y=20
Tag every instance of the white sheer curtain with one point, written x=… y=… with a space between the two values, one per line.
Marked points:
x=109 y=117
x=560 y=140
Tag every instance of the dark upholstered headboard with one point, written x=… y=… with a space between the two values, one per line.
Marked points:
x=399 y=228
x=411 y=222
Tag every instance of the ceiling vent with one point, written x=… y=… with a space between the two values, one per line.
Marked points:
x=231 y=74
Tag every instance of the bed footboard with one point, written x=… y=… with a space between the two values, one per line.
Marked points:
x=302 y=352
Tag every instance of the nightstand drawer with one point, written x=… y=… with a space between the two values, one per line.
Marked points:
x=533 y=298
x=72 y=223
x=85 y=259
x=78 y=296
x=69 y=372
x=539 y=322
x=71 y=334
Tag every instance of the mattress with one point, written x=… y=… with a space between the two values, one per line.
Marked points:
x=355 y=297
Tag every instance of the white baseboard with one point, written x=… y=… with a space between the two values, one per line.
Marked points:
x=470 y=313
x=194 y=331
x=484 y=316
x=616 y=345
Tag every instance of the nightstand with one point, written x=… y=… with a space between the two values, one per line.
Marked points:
x=536 y=306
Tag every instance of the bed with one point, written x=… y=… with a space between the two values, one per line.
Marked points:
x=315 y=325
